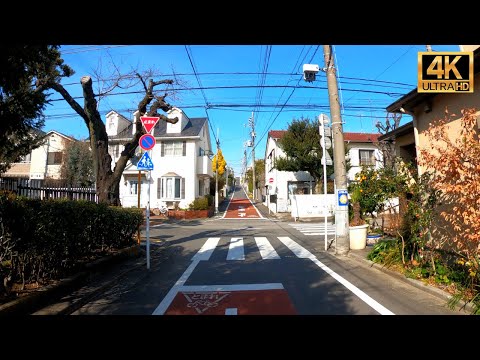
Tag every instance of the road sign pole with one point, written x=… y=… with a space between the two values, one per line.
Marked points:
x=138 y=201
x=148 y=219
x=322 y=129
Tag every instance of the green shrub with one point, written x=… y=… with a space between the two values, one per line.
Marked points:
x=199 y=204
x=386 y=252
x=50 y=239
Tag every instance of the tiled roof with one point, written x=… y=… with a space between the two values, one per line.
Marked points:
x=192 y=128
x=347 y=136
x=276 y=134
x=360 y=137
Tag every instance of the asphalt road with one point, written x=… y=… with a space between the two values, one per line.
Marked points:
x=255 y=266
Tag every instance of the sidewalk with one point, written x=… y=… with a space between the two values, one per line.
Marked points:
x=360 y=257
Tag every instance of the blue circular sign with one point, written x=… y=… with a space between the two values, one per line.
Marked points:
x=147 y=142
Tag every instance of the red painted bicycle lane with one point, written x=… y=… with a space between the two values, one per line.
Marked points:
x=242 y=209
x=251 y=302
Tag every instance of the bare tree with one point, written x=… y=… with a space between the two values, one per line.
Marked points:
x=387 y=148
x=108 y=180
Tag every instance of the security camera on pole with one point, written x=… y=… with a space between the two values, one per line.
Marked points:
x=342 y=242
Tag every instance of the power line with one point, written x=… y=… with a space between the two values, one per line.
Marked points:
x=127 y=76
x=92 y=48
x=235 y=107
x=190 y=58
x=392 y=94
x=398 y=59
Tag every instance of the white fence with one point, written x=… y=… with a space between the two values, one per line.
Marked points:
x=309 y=206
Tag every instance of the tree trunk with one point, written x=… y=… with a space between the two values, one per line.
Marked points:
x=108 y=190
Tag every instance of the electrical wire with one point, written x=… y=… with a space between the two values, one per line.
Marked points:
x=190 y=58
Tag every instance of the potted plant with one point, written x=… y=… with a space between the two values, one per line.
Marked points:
x=358 y=226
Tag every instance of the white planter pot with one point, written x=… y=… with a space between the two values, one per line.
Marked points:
x=358 y=237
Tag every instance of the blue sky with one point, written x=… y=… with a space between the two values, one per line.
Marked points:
x=370 y=78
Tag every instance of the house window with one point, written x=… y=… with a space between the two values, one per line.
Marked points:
x=116 y=150
x=54 y=158
x=271 y=162
x=201 y=152
x=367 y=157
x=173 y=148
x=111 y=125
x=171 y=188
x=133 y=188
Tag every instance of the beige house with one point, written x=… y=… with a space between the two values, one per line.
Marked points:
x=424 y=108
x=43 y=162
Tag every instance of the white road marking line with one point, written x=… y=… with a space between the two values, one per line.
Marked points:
x=207 y=249
x=236 y=287
x=266 y=249
x=231 y=311
x=312 y=234
x=167 y=300
x=229 y=201
x=235 y=251
x=237 y=218
x=304 y=253
x=298 y=250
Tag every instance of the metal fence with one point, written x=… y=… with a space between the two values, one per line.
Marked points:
x=34 y=189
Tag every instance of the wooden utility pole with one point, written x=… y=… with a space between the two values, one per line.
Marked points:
x=341 y=211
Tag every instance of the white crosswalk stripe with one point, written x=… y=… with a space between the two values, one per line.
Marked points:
x=266 y=249
x=236 y=249
x=310 y=229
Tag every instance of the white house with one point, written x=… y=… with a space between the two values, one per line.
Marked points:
x=43 y=162
x=182 y=168
x=280 y=185
x=362 y=151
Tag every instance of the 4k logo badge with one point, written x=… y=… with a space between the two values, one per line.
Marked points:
x=445 y=72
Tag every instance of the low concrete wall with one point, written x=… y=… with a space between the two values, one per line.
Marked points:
x=313 y=206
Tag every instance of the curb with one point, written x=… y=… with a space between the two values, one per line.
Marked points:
x=416 y=283
x=50 y=293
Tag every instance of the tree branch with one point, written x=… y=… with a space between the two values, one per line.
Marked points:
x=69 y=99
x=90 y=105
x=143 y=81
x=155 y=83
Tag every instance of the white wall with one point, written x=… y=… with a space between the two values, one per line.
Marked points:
x=280 y=179
x=353 y=155
x=316 y=205
x=184 y=166
x=38 y=166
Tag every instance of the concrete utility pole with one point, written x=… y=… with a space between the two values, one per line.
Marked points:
x=339 y=163
x=252 y=124
x=216 y=175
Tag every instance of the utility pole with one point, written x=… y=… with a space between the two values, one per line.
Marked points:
x=226 y=181
x=252 y=124
x=244 y=165
x=341 y=211
x=216 y=175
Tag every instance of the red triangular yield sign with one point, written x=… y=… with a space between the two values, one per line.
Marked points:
x=149 y=122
